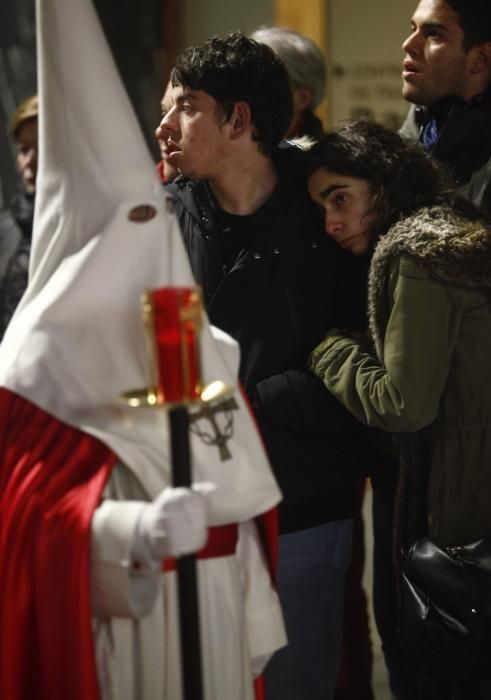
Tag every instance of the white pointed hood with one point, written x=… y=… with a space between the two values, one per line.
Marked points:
x=77 y=340
x=92 y=151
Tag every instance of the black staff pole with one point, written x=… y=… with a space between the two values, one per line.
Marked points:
x=189 y=627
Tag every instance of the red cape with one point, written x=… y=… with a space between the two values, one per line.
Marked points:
x=51 y=480
x=267 y=525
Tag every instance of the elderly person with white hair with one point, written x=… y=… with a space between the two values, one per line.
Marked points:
x=306 y=66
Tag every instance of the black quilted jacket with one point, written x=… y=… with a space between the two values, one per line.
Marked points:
x=277 y=293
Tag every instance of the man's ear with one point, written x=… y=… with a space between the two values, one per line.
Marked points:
x=481 y=59
x=240 y=121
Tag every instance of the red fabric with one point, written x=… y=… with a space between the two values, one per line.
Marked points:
x=354 y=681
x=259 y=689
x=160 y=171
x=221 y=542
x=267 y=523
x=267 y=526
x=51 y=479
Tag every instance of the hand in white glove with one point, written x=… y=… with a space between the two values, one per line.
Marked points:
x=175 y=523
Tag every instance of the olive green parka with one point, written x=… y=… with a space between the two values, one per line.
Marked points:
x=428 y=369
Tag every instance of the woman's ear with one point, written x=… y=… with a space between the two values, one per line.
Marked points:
x=380 y=205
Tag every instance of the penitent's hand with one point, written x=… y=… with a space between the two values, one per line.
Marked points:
x=176 y=522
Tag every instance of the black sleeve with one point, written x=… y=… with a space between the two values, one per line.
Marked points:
x=350 y=292
x=298 y=401
x=296 y=413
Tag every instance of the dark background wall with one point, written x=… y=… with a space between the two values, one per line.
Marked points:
x=143 y=36
x=138 y=33
x=17 y=78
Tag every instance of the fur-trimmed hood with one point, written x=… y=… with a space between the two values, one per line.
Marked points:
x=449 y=248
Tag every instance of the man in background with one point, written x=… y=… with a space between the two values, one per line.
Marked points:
x=167 y=172
x=447 y=77
x=307 y=72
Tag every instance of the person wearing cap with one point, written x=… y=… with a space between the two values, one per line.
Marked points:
x=16 y=222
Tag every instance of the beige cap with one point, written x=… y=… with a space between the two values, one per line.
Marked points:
x=27 y=109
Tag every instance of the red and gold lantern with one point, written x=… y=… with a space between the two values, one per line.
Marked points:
x=172 y=316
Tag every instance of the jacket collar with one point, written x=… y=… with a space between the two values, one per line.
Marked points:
x=449 y=248
x=198 y=200
x=461 y=133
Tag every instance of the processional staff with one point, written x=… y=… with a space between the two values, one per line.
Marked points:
x=172 y=316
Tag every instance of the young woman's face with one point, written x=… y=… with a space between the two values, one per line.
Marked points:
x=347 y=204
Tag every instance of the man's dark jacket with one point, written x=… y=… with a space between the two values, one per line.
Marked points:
x=277 y=296
x=463 y=142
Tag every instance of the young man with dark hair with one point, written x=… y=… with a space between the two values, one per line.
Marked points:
x=447 y=76
x=273 y=281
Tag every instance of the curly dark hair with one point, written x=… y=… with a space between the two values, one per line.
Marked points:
x=234 y=68
x=475 y=20
x=403 y=177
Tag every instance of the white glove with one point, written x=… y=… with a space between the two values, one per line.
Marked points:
x=175 y=523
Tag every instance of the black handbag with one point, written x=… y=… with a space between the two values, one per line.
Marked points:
x=446 y=608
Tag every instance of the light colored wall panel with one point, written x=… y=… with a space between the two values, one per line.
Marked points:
x=362 y=41
x=306 y=17
x=202 y=19
x=365 y=55
x=309 y=18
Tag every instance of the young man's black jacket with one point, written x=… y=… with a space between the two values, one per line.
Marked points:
x=463 y=142
x=276 y=284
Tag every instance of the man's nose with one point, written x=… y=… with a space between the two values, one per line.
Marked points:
x=161 y=131
x=159 y=134
x=166 y=127
x=411 y=43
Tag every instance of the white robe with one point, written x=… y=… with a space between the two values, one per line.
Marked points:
x=136 y=621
